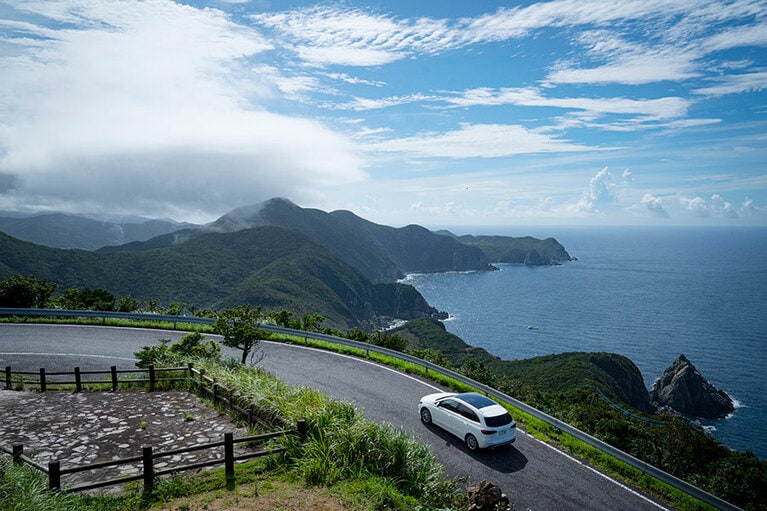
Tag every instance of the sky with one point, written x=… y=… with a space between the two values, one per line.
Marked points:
x=433 y=112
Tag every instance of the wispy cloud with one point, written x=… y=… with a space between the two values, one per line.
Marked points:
x=478 y=141
x=735 y=84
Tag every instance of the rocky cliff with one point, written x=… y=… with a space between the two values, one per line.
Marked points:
x=683 y=389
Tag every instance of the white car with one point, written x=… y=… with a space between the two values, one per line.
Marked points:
x=477 y=420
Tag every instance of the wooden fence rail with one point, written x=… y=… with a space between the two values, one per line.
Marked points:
x=219 y=394
x=43 y=380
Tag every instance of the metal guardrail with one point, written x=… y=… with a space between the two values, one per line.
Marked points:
x=636 y=463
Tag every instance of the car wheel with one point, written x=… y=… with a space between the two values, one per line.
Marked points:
x=471 y=442
x=425 y=416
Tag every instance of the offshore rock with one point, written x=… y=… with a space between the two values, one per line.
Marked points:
x=683 y=389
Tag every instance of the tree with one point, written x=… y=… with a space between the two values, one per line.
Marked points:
x=25 y=292
x=128 y=304
x=283 y=318
x=311 y=322
x=239 y=327
x=87 y=299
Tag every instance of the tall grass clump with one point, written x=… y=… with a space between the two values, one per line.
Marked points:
x=25 y=489
x=340 y=445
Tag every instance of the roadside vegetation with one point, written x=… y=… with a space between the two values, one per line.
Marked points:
x=674 y=445
x=350 y=462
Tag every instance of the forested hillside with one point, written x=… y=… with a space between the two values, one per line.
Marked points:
x=268 y=266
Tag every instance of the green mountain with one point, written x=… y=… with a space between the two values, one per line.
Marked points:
x=526 y=250
x=274 y=254
x=268 y=266
x=70 y=231
x=381 y=253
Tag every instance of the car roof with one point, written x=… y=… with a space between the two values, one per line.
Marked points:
x=476 y=400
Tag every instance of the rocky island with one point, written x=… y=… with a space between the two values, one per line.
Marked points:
x=682 y=389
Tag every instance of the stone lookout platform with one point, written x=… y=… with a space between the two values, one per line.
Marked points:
x=89 y=427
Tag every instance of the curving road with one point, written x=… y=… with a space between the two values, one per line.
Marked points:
x=534 y=475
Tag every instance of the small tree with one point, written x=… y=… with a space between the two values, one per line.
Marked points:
x=283 y=318
x=311 y=322
x=128 y=304
x=239 y=327
x=25 y=291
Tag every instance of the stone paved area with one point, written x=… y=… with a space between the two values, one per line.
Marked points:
x=83 y=428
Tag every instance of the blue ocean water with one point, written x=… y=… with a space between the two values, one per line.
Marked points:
x=650 y=294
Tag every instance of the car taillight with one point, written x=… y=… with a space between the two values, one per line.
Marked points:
x=488 y=431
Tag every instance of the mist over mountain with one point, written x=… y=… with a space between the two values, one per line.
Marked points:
x=60 y=230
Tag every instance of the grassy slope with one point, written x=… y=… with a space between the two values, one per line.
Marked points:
x=615 y=375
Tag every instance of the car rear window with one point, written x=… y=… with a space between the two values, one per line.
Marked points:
x=498 y=420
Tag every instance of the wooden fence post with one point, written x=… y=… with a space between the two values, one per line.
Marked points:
x=17 y=450
x=229 y=455
x=215 y=393
x=54 y=475
x=113 y=370
x=148 y=462
x=78 y=380
x=301 y=428
x=151 y=378
x=42 y=379
x=7 y=377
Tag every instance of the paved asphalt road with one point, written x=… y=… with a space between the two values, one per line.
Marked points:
x=534 y=475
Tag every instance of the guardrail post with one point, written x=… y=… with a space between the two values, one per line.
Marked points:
x=229 y=456
x=78 y=380
x=42 y=379
x=151 y=378
x=7 y=377
x=113 y=370
x=215 y=393
x=148 y=464
x=301 y=428
x=54 y=475
x=17 y=451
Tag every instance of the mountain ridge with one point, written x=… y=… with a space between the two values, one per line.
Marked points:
x=274 y=254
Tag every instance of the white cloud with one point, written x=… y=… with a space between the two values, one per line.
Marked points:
x=151 y=106
x=331 y=35
x=647 y=67
x=735 y=84
x=477 y=141
x=645 y=110
x=599 y=193
x=717 y=207
x=750 y=210
x=654 y=205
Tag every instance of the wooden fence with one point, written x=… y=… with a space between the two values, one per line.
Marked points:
x=45 y=379
x=219 y=394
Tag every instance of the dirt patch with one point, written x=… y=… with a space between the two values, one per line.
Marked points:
x=276 y=495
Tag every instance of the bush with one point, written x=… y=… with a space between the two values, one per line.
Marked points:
x=192 y=345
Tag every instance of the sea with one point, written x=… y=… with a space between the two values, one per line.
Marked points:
x=650 y=294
